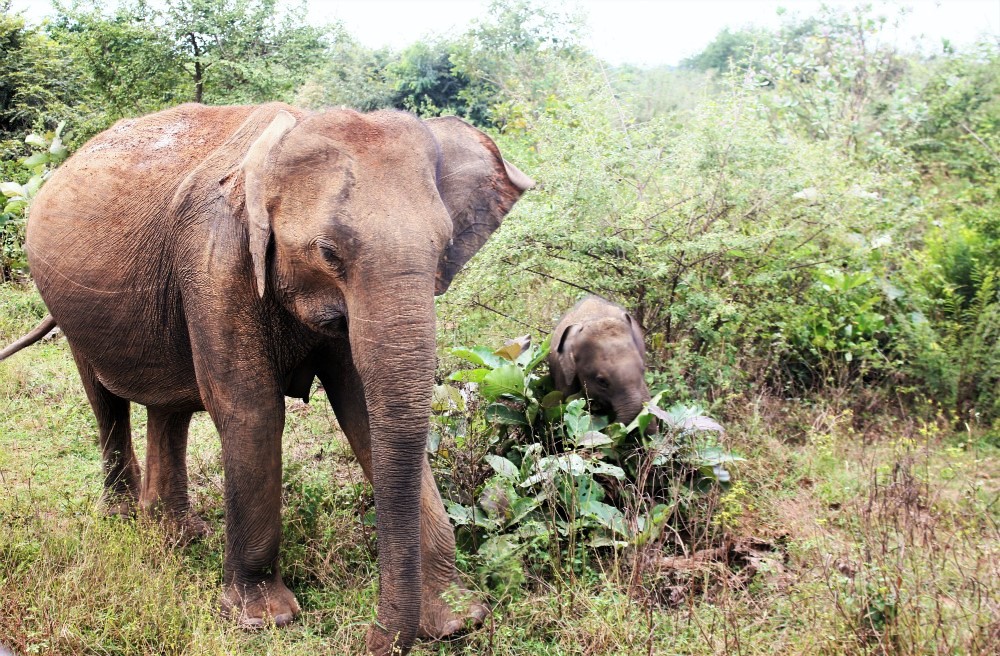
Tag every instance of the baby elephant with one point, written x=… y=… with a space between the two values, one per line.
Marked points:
x=597 y=349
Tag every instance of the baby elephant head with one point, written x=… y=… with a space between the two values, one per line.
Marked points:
x=597 y=349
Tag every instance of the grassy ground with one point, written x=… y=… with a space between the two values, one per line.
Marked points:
x=832 y=541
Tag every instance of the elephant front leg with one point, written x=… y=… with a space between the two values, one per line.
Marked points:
x=253 y=591
x=165 y=484
x=446 y=605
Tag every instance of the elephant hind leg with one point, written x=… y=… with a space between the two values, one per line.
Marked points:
x=121 y=469
x=165 y=485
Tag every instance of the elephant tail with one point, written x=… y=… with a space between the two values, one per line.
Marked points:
x=40 y=331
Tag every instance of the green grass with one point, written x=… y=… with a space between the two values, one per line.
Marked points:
x=876 y=543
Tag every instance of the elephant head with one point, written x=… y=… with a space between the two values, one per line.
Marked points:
x=597 y=350
x=355 y=223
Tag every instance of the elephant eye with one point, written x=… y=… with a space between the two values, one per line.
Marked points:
x=602 y=381
x=330 y=256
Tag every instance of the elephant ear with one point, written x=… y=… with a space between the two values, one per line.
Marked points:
x=567 y=361
x=258 y=219
x=478 y=189
x=637 y=339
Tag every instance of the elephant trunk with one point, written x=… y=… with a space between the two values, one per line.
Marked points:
x=392 y=342
x=629 y=406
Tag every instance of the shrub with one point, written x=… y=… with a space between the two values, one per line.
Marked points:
x=49 y=151
x=562 y=482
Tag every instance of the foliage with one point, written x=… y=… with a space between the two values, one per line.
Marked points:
x=130 y=60
x=425 y=81
x=39 y=84
x=563 y=479
x=49 y=153
x=244 y=50
x=804 y=220
x=708 y=233
x=351 y=76
x=831 y=78
x=144 y=55
x=729 y=49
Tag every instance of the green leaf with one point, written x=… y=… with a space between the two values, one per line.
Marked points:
x=433 y=440
x=503 y=414
x=445 y=398
x=606 y=515
x=489 y=358
x=543 y=352
x=505 y=468
x=57 y=149
x=11 y=189
x=33 y=184
x=36 y=140
x=15 y=206
x=469 y=375
x=459 y=514
x=507 y=380
x=576 y=419
x=499 y=548
x=467 y=355
x=552 y=399
x=531 y=412
x=607 y=469
x=593 y=439
x=34 y=160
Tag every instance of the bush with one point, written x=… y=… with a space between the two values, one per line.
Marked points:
x=49 y=152
x=561 y=482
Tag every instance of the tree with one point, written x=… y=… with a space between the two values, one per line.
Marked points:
x=425 y=81
x=39 y=83
x=729 y=49
x=352 y=75
x=243 y=50
x=145 y=55
x=133 y=66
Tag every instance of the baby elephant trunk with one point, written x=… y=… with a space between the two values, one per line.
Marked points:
x=628 y=407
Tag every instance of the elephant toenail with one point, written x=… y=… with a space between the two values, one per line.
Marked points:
x=282 y=619
x=251 y=623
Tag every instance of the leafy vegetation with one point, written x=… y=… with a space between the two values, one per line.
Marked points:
x=561 y=478
x=806 y=223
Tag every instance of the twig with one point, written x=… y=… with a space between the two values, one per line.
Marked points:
x=981 y=142
x=618 y=107
x=507 y=316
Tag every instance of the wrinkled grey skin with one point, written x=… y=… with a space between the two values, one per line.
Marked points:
x=221 y=258
x=597 y=349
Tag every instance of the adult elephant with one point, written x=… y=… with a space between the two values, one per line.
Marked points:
x=220 y=258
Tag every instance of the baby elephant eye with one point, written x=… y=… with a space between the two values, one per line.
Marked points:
x=601 y=380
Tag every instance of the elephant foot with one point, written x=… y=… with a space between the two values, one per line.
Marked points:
x=180 y=524
x=254 y=607
x=451 y=611
x=380 y=643
x=119 y=504
x=186 y=528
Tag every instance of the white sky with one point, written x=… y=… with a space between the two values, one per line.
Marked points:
x=644 y=32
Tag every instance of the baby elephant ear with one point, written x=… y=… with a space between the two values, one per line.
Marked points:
x=637 y=339
x=564 y=376
x=258 y=221
x=478 y=188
